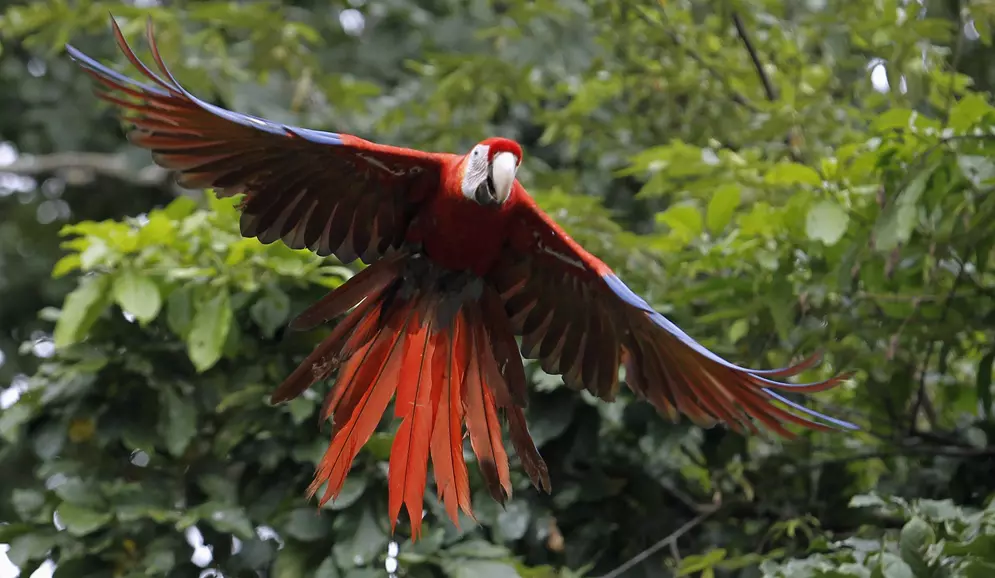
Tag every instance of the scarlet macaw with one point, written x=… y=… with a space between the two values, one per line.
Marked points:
x=461 y=261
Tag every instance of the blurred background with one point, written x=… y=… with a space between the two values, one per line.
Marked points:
x=777 y=177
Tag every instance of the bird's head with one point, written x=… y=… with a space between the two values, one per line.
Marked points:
x=489 y=171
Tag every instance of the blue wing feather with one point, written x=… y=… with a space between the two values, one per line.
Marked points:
x=246 y=120
x=627 y=295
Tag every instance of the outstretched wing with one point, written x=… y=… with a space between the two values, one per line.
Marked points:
x=581 y=321
x=332 y=193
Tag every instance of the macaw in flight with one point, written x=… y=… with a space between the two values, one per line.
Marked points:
x=461 y=261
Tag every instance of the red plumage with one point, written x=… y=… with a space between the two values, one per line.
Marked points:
x=462 y=261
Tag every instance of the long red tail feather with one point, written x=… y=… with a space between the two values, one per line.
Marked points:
x=416 y=404
x=451 y=362
x=448 y=465
x=481 y=416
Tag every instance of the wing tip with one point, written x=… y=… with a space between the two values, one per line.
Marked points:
x=838 y=423
x=761 y=377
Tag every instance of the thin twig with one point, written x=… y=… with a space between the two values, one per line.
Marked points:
x=765 y=80
x=668 y=540
x=921 y=393
x=769 y=89
x=735 y=95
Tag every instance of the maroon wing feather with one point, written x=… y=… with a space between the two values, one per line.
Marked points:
x=578 y=319
x=328 y=192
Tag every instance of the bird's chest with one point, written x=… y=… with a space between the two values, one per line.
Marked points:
x=461 y=235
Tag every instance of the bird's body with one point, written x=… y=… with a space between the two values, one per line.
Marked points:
x=461 y=262
x=450 y=229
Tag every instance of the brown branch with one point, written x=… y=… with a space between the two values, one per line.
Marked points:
x=769 y=89
x=921 y=393
x=734 y=94
x=664 y=542
x=80 y=168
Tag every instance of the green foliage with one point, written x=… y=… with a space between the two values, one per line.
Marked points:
x=936 y=538
x=825 y=215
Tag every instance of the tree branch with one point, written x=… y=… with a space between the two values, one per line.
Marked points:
x=80 y=168
x=734 y=95
x=921 y=393
x=769 y=89
x=666 y=541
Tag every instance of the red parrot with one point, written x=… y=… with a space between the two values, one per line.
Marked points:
x=461 y=261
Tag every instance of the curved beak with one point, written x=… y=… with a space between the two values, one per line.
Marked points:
x=491 y=183
x=502 y=175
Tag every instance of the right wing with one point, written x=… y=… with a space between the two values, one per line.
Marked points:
x=332 y=193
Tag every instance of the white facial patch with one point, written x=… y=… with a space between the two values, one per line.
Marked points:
x=476 y=170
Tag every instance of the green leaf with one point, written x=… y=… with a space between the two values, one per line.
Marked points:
x=291 y=562
x=684 y=221
x=892 y=119
x=915 y=537
x=10 y=531
x=365 y=544
x=379 y=445
x=81 y=493
x=365 y=573
x=781 y=302
x=138 y=295
x=270 y=311
x=220 y=488
x=80 y=520
x=306 y=524
x=249 y=395
x=477 y=549
x=180 y=310
x=11 y=420
x=180 y=208
x=66 y=265
x=792 y=174
x=80 y=311
x=866 y=501
x=327 y=569
x=177 y=421
x=701 y=563
x=969 y=111
x=899 y=220
x=826 y=222
x=980 y=170
x=939 y=510
x=983 y=384
x=894 y=567
x=721 y=207
x=159 y=560
x=463 y=568
x=209 y=330
x=352 y=490
x=738 y=330
x=230 y=519
x=27 y=503
x=28 y=547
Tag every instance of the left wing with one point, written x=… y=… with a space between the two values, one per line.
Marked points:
x=580 y=320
